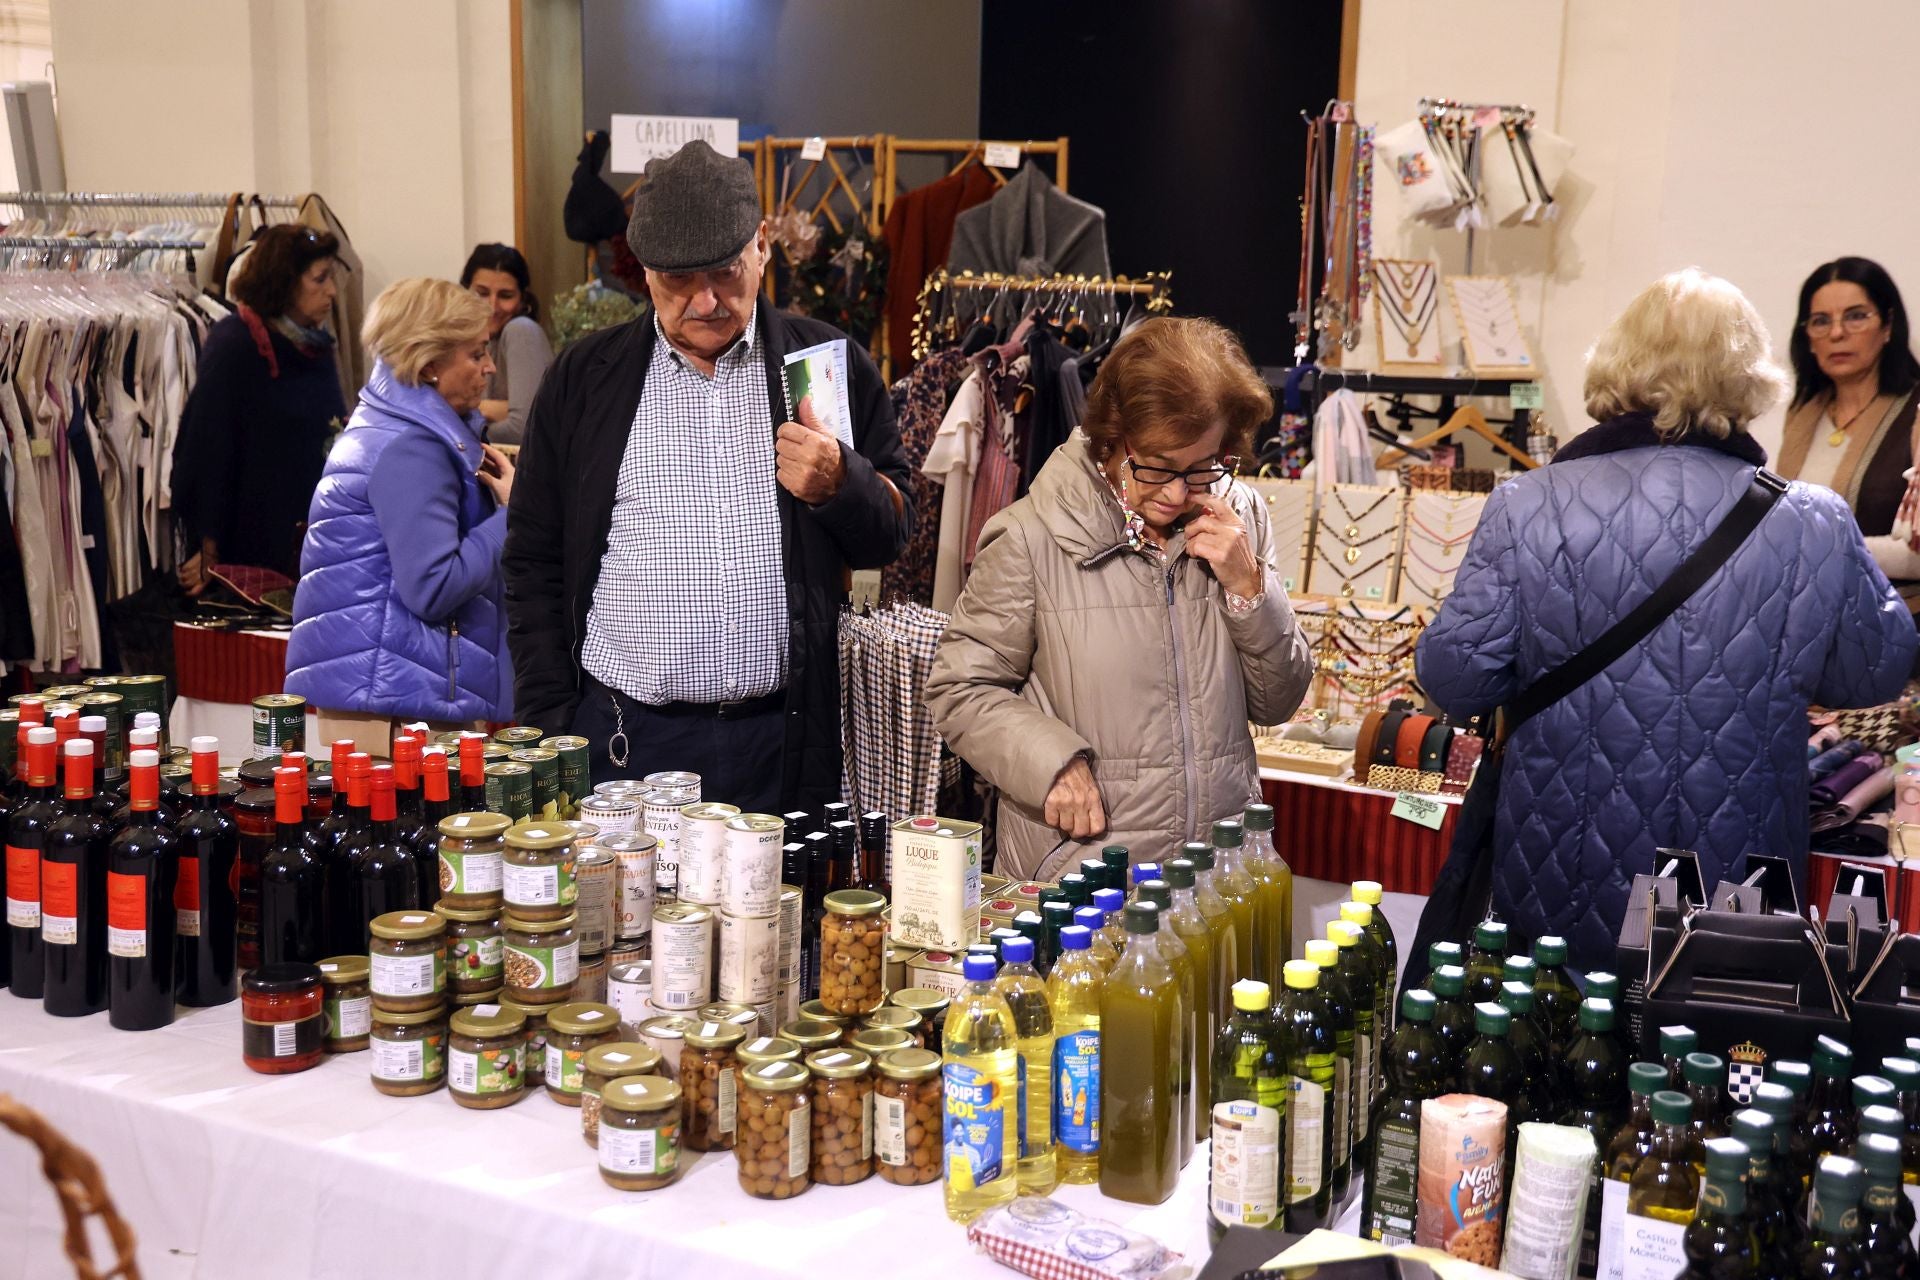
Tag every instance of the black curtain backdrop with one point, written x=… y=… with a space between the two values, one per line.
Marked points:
x=1184 y=121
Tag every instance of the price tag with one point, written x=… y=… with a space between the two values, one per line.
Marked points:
x=1003 y=155
x=1419 y=810
x=813 y=149
x=40 y=448
x=1286 y=584
x=1527 y=395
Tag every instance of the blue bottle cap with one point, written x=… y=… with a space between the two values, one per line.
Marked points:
x=1109 y=900
x=1145 y=871
x=1076 y=937
x=1016 y=950
x=982 y=968
x=1089 y=918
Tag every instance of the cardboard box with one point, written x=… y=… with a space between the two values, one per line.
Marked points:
x=1886 y=1005
x=1656 y=914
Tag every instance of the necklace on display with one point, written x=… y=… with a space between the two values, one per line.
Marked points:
x=1410 y=295
x=1838 y=436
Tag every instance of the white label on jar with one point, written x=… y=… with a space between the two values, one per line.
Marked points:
x=475 y=872
x=727 y=1100
x=626 y=1150
x=404 y=1061
x=531 y=886
x=556 y=1064
x=284 y=1045
x=890 y=1129
x=463 y=1071
x=356 y=1018
x=799 y=1139
x=60 y=929
x=566 y=963
x=866 y=1126
x=402 y=975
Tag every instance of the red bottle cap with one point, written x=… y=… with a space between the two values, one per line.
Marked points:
x=206 y=766
x=473 y=763
x=383 y=784
x=79 y=754
x=406 y=762
x=143 y=790
x=66 y=725
x=42 y=753
x=433 y=769
x=359 y=768
x=289 y=795
x=33 y=711
x=342 y=748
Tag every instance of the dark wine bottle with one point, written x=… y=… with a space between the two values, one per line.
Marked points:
x=140 y=913
x=73 y=890
x=845 y=871
x=436 y=806
x=384 y=875
x=292 y=897
x=473 y=773
x=203 y=900
x=105 y=783
x=144 y=738
x=11 y=733
x=873 y=853
x=27 y=830
x=346 y=928
x=812 y=908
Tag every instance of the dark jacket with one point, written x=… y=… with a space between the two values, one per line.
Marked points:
x=563 y=507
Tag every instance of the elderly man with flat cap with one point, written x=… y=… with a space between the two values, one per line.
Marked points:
x=677 y=548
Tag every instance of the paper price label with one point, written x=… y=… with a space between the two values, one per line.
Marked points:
x=1419 y=810
x=1526 y=395
x=1003 y=155
x=813 y=149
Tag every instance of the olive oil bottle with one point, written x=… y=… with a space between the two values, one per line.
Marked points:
x=1885 y=1122
x=1492 y=1069
x=1358 y=972
x=1219 y=917
x=1213 y=994
x=1720 y=1243
x=1555 y=999
x=1535 y=1100
x=1452 y=1019
x=1073 y=993
x=1141 y=1017
x=1273 y=896
x=1830 y=1114
x=1790 y=1160
x=1094 y=921
x=1486 y=961
x=1388 y=1209
x=1705 y=1075
x=1371 y=893
x=1885 y=1245
x=1338 y=1001
x=1311 y=1055
x=1231 y=880
x=1248 y=1116
x=1025 y=992
x=1664 y=1194
x=1441 y=954
x=1676 y=1042
x=1595 y=1078
x=1632 y=1142
x=1773 y=1230
x=1381 y=966
x=980 y=1096
x=1192 y=985
x=1905 y=1074
x=1833 y=1220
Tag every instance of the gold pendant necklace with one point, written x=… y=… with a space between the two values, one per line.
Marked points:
x=1838 y=436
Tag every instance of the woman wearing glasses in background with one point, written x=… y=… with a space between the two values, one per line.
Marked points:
x=1123 y=621
x=1851 y=425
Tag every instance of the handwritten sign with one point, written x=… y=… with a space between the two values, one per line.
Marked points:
x=1526 y=395
x=639 y=139
x=813 y=149
x=1003 y=155
x=1419 y=810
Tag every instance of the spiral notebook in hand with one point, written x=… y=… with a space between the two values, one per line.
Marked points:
x=820 y=372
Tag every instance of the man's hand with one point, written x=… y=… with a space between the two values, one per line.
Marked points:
x=807 y=457
x=1217 y=536
x=1073 y=806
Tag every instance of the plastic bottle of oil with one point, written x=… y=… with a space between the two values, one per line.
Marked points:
x=1442 y=954
x=1114 y=931
x=1230 y=878
x=1219 y=918
x=1720 y=1242
x=1833 y=1220
x=1248 y=1116
x=1025 y=992
x=1596 y=1083
x=1371 y=893
x=1094 y=920
x=1273 y=896
x=1664 y=1193
x=1338 y=1001
x=1555 y=998
x=1358 y=971
x=1141 y=1018
x=1381 y=965
x=1833 y=1124
x=1192 y=985
x=981 y=1082
x=1073 y=992
x=1212 y=991
x=1452 y=1018
x=1311 y=1055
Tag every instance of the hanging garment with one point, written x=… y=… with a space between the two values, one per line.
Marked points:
x=951 y=462
x=919 y=235
x=1341 y=454
x=1031 y=227
x=920 y=406
x=349 y=301
x=893 y=754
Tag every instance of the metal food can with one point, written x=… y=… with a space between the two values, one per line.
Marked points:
x=591 y=982
x=629 y=991
x=64 y=692
x=614 y=817
x=112 y=708
x=677 y=784
x=519 y=735
x=788 y=1002
x=752 y=885
x=619 y=786
x=450 y=739
x=630 y=951
x=101 y=682
x=576 y=776
x=510 y=790
x=703 y=851
x=682 y=956
x=740 y=1015
x=791 y=899
x=898 y=959
x=665 y=1034
x=749 y=958
x=595 y=870
x=546 y=781
x=660 y=815
x=938 y=970
x=145 y=693
x=279 y=725
x=633 y=884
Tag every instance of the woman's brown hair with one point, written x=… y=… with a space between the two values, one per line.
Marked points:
x=1169 y=382
x=269 y=275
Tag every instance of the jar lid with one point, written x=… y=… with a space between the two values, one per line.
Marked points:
x=640 y=1093
x=408 y=926
x=839 y=1064
x=478 y=915
x=893 y=1016
x=908 y=1064
x=489 y=1022
x=729 y=1011
x=436 y=1014
x=468 y=999
x=474 y=826
x=536 y=1013
x=879 y=1040
x=540 y=837
x=285 y=979
x=583 y=1018
x=817 y=1011
x=340 y=971
x=537 y=926
x=715 y=1035
x=855 y=902
x=535 y=755
x=809 y=1034
x=667 y=1025
x=768 y=1049
x=776 y=1077
x=622 y=1058
x=924 y=1001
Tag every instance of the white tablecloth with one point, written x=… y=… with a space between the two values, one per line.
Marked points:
x=224 y=1172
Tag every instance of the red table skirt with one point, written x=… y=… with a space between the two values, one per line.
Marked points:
x=228 y=666
x=1343 y=836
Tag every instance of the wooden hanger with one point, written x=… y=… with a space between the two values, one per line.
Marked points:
x=1465 y=416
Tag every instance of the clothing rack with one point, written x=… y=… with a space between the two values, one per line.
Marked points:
x=1156 y=287
x=1321 y=382
x=144 y=199
x=969 y=151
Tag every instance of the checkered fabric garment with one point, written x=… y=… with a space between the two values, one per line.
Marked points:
x=892 y=752
x=691 y=605
x=1049 y=1242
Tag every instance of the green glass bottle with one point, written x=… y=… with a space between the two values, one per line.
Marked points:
x=1604 y=986
x=1493 y=1070
x=1220 y=920
x=1273 y=895
x=1372 y=894
x=1705 y=1074
x=1337 y=999
x=1519 y=969
x=1833 y=1221
x=1140 y=1054
x=1118 y=860
x=1389 y=1206
x=1358 y=973
x=1596 y=1083
x=1630 y=1143
x=1886 y=1122
x=1773 y=1232
x=1719 y=1243
x=1869 y=1092
x=1248 y=1116
x=1830 y=1114
x=1905 y=1075
x=1073 y=994
x=1797 y=1079
x=1676 y=1042
x=1381 y=966
x=1535 y=1099
x=1192 y=984
x=1555 y=997
x=1485 y=961
x=1452 y=1018
x=1025 y=992
x=1441 y=954
x=1789 y=1156
x=1665 y=1191
x=1231 y=881
x=1312 y=1055
x=1212 y=993
x=1886 y=1245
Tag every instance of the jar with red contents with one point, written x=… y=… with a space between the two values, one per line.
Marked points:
x=282 y=1018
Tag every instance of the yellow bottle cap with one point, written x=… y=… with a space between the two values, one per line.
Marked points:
x=1251 y=996
x=1343 y=933
x=1323 y=953
x=1367 y=891
x=1358 y=912
x=1302 y=975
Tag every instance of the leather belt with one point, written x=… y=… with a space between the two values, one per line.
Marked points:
x=1363 y=744
x=1433 y=747
x=1409 y=739
x=1386 y=747
x=739 y=710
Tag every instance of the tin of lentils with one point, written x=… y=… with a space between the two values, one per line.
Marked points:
x=510 y=790
x=682 y=956
x=113 y=709
x=546 y=781
x=679 y=786
x=661 y=816
x=519 y=735
x=633 y=884
x=614 y=815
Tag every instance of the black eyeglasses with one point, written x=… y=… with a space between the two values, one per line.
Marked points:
x=1198 y=478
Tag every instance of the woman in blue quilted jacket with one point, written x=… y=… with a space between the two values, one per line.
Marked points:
x=1697 y=738
x=400 y=614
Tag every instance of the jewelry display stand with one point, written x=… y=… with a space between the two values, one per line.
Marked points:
x=1290 y=518
x=1406 y=315
x=1489 y=320
x=1362 y=657
x=1440 y=524
x=1356 y=549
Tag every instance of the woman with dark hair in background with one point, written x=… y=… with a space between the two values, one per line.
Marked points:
x=254 y=434
x=521 y=353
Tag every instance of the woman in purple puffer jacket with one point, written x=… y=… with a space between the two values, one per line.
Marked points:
x=400 y=612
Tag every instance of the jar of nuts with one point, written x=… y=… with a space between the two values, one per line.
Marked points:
x=709 y=1084
x=842 y=1116
x=906 y=1116
x=853 y=952
x=776 y=1127
x=605 y=1064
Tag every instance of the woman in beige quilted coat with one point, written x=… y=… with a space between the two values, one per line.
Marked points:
x=1123 y=621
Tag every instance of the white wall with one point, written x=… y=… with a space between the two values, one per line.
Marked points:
x=1755 y=139
x=400 y=114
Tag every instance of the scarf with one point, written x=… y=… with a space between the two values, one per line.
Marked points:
x=1636 y=431
x=1863 y=445
x=309 y=342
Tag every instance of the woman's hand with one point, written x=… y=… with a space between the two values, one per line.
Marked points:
x=1073 y=806
x=496 y=473
x=1217 y=536
x=495 y=410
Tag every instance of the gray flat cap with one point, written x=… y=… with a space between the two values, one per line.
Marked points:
x=695 y=210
